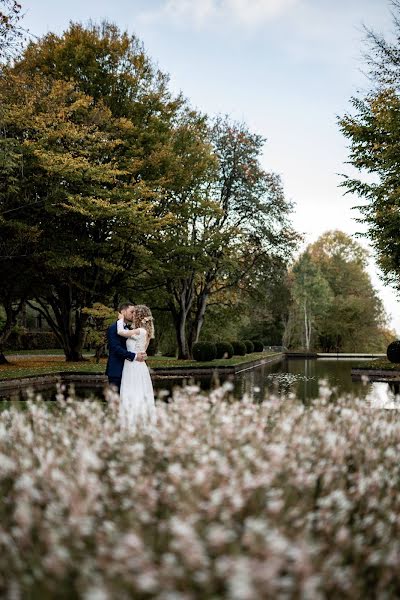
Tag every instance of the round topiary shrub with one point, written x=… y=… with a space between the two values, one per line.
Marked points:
x=258 y=346
x=393 y=352
x=224 y=350
x=204 y=351
x=249 y=346
x=239 y=348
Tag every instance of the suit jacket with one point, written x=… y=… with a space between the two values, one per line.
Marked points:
x=117 y=352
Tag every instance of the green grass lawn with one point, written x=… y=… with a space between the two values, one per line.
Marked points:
x=379 y=364
x=41 y=365
x=50 y=351
x=165 y=362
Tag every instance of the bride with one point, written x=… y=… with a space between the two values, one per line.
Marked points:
x=137 y=407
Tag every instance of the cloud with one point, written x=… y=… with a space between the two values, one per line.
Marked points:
x=204 y=13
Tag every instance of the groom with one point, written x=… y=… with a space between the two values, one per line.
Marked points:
x=117 y=352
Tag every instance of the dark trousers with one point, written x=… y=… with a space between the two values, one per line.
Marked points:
x=115 y=381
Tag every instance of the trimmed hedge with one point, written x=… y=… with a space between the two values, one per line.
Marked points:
x=239 y=348
x=249 y=346
x=393 y=352
x=258 y=346
x=224 y=350
x=204 y=351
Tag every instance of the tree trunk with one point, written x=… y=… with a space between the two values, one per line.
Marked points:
x=68 y=323
x=11 y=319
x=180 y=310
x=307 y=328
x=180 y=328
x=74 y=337
x=198 y=320
x=288 y=325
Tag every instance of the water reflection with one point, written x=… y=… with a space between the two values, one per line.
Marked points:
x=303 y=377
x=291 y=376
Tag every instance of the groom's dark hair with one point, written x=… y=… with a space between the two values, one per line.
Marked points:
x=124 y=306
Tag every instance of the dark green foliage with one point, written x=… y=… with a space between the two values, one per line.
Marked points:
x=266 y=303
x=334 y=304
x=152 y=348
x=249 y=346
x=393 y=352
x=239 y=348
x=224 y=350
x=258 y=346
x=204 y=351
x=38 y=340
x=372 y=130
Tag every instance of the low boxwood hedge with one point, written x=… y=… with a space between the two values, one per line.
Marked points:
x=224 y=350
x=249 y=346
x=258 y=346
x=239 y=348
x=204 y=351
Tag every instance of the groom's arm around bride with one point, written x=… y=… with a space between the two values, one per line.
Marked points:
x=117 y=354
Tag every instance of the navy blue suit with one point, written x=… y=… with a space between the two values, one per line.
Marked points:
x=117 y=354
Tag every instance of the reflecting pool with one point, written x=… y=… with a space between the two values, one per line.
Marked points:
x=300 y=377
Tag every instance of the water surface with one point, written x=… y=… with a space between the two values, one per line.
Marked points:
x=301 y=377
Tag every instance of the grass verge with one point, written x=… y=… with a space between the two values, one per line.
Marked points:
x=378 y=365
x=42 y=365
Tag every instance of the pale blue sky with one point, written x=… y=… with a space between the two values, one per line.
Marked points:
x=286 y=67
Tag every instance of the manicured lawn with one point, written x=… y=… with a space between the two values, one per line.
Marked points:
x=43 y=365
x=379 y=365
x=40 y=365
x=49 y=351
x=164 y=362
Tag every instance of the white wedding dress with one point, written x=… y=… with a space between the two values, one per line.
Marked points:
x=137 y=407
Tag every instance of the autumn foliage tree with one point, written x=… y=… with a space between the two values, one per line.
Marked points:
x=231 y=217
x=86 y=117
x=334 y=304
x=126 y=189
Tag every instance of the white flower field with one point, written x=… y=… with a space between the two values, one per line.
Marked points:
x=226 y=499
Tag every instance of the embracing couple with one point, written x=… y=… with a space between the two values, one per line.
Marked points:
x=128 y=339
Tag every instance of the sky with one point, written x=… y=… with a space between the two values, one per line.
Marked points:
x=287 y=68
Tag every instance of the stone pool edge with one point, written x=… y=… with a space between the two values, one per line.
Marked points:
x=384 y=375
x=98 y=380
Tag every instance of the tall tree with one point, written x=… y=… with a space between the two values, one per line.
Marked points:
x=232 y=217
x=87 y=117
x=254 y=218
x=334 y=304
x=311 y=300
x=266 y=304
x=356 y=317
x=373 y=131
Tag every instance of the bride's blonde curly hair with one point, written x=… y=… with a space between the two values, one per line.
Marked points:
x=144 y=318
